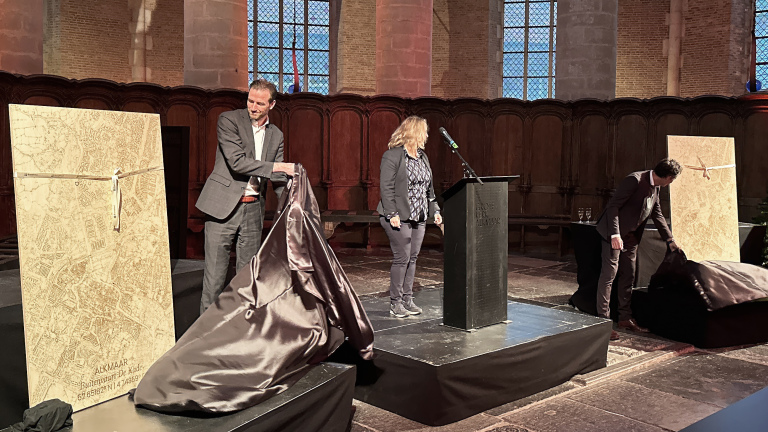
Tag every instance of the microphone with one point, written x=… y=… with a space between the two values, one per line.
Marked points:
x=448 y=139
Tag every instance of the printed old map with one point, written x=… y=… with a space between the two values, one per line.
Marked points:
x=97 y=298
x=703 y=201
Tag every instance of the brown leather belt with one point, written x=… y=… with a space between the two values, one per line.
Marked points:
x=248 y=199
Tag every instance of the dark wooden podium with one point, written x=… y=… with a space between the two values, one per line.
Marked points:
x=475 y=252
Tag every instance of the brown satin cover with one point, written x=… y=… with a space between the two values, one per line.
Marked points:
x=717 y=283
x=290 y=308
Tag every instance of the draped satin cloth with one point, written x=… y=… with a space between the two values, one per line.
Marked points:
x=716 y=284
x=289 y=308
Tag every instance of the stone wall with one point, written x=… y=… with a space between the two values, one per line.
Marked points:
x=21 y=36
x=119 y=40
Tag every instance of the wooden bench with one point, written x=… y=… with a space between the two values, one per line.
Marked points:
x=542 y=222
x=333 y=218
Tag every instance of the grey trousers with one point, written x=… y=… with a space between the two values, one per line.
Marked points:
x=405 y=243
x=622 y=263
x=243 y=227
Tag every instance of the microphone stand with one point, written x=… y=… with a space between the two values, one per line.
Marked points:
x=468 y=171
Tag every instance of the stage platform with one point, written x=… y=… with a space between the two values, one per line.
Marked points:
x=436 y=375
x=320 y=401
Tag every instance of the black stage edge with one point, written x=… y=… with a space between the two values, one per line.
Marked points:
x=746 y=415
x=435 y=374
x=682 y=318
x=320 y=401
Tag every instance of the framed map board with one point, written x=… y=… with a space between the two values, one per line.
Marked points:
x=703 y=202
x=93 y=250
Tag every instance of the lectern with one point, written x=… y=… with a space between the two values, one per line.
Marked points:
x=475 y=252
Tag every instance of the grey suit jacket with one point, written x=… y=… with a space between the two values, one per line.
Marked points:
x=393 y=185
x=624 y=210
x=235 y=164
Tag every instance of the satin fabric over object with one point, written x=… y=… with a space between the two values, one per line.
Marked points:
x=291 y=307
x=716 y=284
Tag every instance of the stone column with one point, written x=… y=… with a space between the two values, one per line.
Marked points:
x=586 y=49
x=21 y=36
x=404 y=47
x=673 y=47
x=216 y=43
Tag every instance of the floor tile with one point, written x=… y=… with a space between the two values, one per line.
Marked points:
x=384 y=421
x=709 y=378
x=755 y=354
x=565 y=415
x=646 y=405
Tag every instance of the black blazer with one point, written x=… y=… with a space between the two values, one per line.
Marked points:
x=622 y=214
x=393 y=185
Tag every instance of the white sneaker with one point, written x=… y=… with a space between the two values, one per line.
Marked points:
x=411 y=307
x=398 y=310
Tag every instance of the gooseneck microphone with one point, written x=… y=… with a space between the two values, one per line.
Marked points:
x=448 y=139
x=468 y=171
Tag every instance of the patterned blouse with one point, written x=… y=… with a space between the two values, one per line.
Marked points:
x=418 y=182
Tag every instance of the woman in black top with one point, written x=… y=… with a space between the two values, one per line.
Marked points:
x=407 y=201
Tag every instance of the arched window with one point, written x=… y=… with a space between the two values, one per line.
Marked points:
x=761 y=35
x=528 y=69
x=272 y=26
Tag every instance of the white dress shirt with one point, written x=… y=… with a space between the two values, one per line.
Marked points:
x=252 y=189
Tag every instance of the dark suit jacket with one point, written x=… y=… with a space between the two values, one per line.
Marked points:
x=622 y=214
x=393 y=185
x=236 y=164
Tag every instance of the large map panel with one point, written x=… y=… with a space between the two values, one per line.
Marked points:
x=704 y=205
x=94 y=261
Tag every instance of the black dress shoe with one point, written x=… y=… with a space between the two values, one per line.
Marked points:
x=632 y=325
x=614 y=335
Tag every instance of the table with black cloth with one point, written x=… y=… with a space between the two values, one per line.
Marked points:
x=587 y=248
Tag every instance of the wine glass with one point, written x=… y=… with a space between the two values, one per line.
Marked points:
x=581 y=214
x=588 y=214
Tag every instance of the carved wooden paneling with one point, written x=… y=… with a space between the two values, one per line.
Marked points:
x=569 y=154
x=346 y=159
x=752 y=162
x=591 y=170
x=631 y=146
x=382 y=122
x=545 y=166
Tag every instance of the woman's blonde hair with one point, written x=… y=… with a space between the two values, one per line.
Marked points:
x=412 y=133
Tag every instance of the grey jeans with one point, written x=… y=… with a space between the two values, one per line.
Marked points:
x=243 y=227
x=405 y=243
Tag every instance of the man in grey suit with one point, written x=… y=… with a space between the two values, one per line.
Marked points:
x=621 y=225
x=250 y=152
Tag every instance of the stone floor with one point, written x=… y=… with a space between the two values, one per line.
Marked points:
x=650 y=383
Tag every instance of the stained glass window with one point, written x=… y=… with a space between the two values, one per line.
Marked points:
x=274 y=26
x=761 y=34
x=528 y=65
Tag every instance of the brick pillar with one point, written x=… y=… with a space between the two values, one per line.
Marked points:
x=216 y=43
x=404 y=47
x=21 y=36
x=586 y=49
